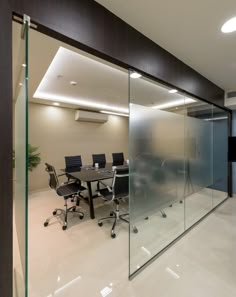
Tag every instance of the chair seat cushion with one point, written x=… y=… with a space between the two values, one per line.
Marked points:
x=106 y=194
x=70 y=189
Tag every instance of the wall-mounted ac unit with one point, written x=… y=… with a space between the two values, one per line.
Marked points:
x=230 y=100
x=88 y=116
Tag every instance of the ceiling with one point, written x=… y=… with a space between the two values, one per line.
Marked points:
x=53 y=65
x=188 y=29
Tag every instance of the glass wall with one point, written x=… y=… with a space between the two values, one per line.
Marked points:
x=20 y=90
x=178 y=171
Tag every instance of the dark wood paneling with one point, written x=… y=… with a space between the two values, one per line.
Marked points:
x=5 y=151
x=90 y=24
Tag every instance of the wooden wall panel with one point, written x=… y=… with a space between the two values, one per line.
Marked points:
x=5 y=150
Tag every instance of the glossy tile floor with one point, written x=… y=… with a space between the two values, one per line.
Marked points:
x=85 y=261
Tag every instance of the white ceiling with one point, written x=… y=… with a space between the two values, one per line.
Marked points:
x=98 y=81
x=188 y=29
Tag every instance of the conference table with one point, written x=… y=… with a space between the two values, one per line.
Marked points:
x=90 y=174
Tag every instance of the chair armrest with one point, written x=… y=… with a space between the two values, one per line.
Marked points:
x=61 y=174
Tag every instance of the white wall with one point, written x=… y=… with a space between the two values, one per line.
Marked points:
x=57 y=134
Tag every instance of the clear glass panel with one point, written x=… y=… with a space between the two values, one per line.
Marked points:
x=20 y=162
x=198 y=166
x=220 y=153
x=156 y=154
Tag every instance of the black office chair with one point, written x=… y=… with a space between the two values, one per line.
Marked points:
x=119 y=190
x=100 y=159
x=66 y=191
x=118 y=159
x=73 y=162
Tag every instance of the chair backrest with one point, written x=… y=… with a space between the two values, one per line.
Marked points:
x=73 y=161
x=118 y=159
x=53 y=180
x=121 y=182
x=99 y=158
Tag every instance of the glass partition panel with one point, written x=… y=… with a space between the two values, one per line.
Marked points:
x=20 y=90
x=199 y=167
x=220 y=153
x=157 y=175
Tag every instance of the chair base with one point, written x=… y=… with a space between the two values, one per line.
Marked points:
x=115 y=215
x=61 y=215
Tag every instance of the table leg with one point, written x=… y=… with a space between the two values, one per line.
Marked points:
x=90 y=197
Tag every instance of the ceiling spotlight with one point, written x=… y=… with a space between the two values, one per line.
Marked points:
x=173 y=91
x=229 y=26
x=73 y=83
x=20 y=84
x=23 y=65
x=56 y=104
x=135 y=75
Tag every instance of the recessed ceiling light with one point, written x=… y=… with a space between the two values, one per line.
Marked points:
x=173 y=91
x=135 y=75
x=23 y=65
x=73 y=83
x=20 y=84
x=115 y=113
x=229 y=26
x=56 y=104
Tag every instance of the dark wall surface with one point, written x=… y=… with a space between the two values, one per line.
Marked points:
x=90 y=26
x=5 y=151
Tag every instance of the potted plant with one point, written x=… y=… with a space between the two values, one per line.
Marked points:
x=34 y=158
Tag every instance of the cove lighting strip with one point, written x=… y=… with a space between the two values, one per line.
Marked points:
x=174 y=103
x=114 y=113
x=80 y=102
x=41 y=94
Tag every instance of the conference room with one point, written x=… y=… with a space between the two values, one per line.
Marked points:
x=119 y=166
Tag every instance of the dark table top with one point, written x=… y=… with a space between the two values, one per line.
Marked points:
x=90 y=174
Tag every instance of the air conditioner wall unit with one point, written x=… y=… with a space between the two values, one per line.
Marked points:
x=89 y=116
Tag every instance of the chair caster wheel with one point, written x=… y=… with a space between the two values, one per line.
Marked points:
x=113 y=235
x=100 y=224
x=81 y=217
x=45 y=224
x=170 y=205
x=181 y=201
x=146 y=218
x=74 y=209
x=64 y=228
x=135 y=230
x=111 y=214
x=54 y=212
x=164 y=215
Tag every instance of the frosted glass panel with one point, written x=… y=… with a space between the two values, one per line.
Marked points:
x=178 y=166
x=199 y=167
x=21 y=173
x=220 y=153
x=156 y=170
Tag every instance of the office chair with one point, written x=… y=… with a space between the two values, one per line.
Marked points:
x=118 y=159
x=100 y=159
x=73 y=162
x=67 y=190
x=119 y=190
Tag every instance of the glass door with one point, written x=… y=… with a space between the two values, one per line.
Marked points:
x=20 y=134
